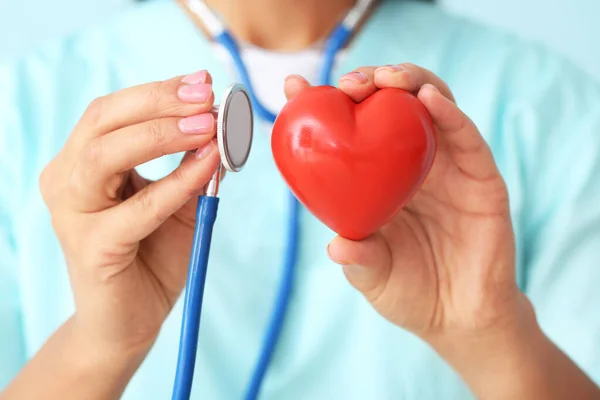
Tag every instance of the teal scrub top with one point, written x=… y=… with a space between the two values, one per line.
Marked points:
x=540 y=116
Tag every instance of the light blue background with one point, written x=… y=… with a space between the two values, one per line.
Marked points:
x=571 y=27
x=23 y=23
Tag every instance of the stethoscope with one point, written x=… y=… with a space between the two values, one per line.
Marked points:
x=234 y=138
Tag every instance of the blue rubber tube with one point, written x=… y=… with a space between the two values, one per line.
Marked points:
x=281 y=303
x=206 y=214
x=337 y=40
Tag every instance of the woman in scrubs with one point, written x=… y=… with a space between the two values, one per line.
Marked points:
x=464 y=293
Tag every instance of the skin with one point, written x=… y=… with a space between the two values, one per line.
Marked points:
x=444 y=268
x=283 y=25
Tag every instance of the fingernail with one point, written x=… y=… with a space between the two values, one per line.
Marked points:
x=198 y=93
x=430 y=86
x=356 y=270
x=295 y=76
x=333 y=258
x=356 y=76
x=195 y=78
x=390 y=68
x=202 y=123
x=204 y=150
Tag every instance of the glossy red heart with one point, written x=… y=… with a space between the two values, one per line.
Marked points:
x=354 y=165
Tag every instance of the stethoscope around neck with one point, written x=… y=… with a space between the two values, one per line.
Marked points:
x=235 y=124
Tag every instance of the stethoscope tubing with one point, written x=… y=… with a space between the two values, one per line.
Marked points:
x=206 y=215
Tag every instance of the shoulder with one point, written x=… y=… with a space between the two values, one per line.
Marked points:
x=146 y=41
x=143 y=34
x=453 y=44
x=489 y=67
x=44 y=92
x=539 y=112
x=493 y=74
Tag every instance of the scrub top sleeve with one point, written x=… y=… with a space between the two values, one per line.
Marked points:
x=561 y=254
x=12 y=346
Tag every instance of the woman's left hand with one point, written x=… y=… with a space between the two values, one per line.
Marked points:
x=446 y=262
x=444 y=266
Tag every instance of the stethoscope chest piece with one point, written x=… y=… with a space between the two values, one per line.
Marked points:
x=235 y=127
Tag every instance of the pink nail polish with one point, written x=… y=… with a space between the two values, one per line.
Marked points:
x=295 y=76
x=199 y=93
x=357 y=271
x=356 y=76
x=204 y=150
x=195 y=78
x=390 y=68
x=202 y=123
x=430 y=86
x=394 y=68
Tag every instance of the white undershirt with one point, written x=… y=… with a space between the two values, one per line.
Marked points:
x=268 y=70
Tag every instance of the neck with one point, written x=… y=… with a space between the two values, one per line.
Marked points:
x=281 y=24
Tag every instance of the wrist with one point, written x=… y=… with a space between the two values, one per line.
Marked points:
x=514 y=360
x=499 y=356
x=93 y=352
x=516 y=323
x=72 y=366
x=88 y=357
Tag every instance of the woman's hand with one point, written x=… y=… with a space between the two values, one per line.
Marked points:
x=446 y=262
x=444 y=267
x=126 y=239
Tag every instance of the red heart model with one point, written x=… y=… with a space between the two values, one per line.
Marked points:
x=354 y=165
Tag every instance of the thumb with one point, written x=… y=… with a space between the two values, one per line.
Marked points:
x=366 y=263
x=458 y=135
x=294 y=84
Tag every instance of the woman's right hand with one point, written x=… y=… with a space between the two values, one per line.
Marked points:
x=126 y=239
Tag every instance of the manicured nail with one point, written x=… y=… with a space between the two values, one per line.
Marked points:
x=195 y=78
x=390 y=68
x=204 y=150
x=356 y=270
x=295 y=76
x=356 y=76
x=199 y=93
x=332 y=257
x=430 y=86
x=202 y=123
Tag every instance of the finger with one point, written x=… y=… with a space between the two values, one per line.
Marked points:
x=409 y=77
x=358 y=84
x=366 y=263
x=294 y=84
x=143 y=213
x=98 y=172
x=458 y=134
x=133 y=183
x=176 y=97
x=187 y=213
x=137 y=144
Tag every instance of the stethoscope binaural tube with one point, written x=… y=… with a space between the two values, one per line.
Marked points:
x=336 y=41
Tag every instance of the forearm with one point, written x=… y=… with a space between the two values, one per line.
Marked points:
x=70 y=367
x=518 y=363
